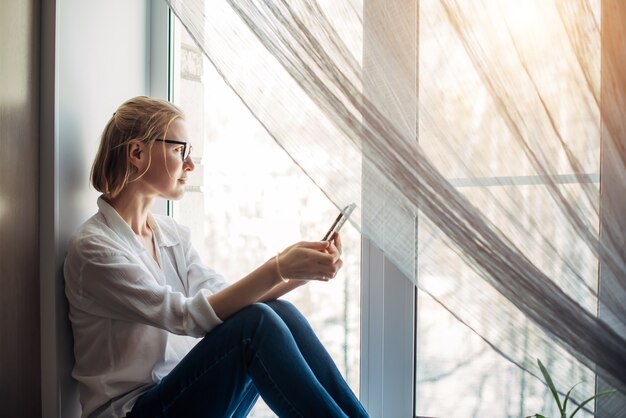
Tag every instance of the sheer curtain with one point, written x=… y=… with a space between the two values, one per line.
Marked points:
x=504 y=202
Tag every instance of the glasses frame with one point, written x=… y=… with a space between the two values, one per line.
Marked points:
x=186 y=146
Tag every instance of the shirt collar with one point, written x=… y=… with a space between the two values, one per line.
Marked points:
x=163 y=236
x=121 y=228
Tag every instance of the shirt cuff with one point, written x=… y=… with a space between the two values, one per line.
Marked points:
x=200 y=318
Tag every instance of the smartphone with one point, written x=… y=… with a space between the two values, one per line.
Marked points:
x=341 y=219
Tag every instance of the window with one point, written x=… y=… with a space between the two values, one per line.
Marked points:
x=234 y=216
x=247 y=200
x=451 y=359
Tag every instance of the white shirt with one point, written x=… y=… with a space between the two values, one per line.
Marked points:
x=125 y=309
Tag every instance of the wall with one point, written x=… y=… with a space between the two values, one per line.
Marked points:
x=95 y=55
x=19 y=222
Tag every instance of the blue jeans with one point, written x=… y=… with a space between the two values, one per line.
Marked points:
x=266 y=348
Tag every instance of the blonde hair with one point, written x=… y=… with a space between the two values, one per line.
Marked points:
x=138 y=119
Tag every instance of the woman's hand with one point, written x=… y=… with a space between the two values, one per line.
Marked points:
x=317 y=260
x=336 y=242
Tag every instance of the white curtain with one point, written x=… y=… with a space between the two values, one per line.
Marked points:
x=483 y=141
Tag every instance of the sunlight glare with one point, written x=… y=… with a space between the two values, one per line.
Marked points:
x=524 y=18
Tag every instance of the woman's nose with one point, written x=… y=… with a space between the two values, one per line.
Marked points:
x=188 y=164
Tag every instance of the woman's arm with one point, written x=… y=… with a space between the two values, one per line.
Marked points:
x=246 y=291
x=305 y=260
x=281 y=289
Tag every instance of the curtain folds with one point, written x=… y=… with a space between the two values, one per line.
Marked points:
x=470 y=136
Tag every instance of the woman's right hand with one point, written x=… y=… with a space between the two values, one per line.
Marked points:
x=309 y=261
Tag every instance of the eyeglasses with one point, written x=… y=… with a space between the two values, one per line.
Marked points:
x=186 y=147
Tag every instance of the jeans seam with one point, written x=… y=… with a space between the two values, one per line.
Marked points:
x=282 y=395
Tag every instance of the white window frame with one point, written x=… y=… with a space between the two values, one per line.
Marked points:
x=388 y=308
x=388 y=297
x=161 y=66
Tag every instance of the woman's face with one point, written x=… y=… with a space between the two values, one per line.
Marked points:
x=168 y=173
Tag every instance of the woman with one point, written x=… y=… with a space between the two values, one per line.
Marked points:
x=133 y=280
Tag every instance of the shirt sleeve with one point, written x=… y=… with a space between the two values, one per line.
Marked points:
x=199 y=275
x=116 y=287
x=202 y=277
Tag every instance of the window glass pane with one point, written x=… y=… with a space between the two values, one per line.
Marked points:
x=451 y=358
x=247 y=200
x=458 y=373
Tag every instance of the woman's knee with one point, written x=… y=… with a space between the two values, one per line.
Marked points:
x=262 y=315
x=282 y=306
x=289 y=313
x=261 y=323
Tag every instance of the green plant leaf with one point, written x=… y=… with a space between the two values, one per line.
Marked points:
x=567 y=397
x=546 y=375
x=536 y=416
x=608 y=392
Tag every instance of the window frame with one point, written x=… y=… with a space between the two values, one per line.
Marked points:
x=161 y=66
x=388 y=320
x=388 y=297
x=612 y=188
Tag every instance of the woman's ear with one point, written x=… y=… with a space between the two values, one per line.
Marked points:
x=137 y=155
